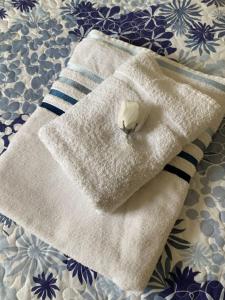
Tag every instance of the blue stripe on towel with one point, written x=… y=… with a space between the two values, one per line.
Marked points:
x=97 y=79
x=85 y=72
x=63 y=96
x=189 y=74
x=177 y=172
x=52 y=108
x=169 y=168
x=81 y=88
x=188 y=157
x=162 y=63
x=199 y=144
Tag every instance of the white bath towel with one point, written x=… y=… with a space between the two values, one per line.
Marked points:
x=39 y=196
x=97 y=155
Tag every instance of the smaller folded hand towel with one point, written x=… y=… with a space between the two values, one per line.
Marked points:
x=107 y=166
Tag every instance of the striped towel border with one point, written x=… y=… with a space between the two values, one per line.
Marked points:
x=192 y=155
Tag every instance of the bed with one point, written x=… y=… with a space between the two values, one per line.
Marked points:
x=36 y=39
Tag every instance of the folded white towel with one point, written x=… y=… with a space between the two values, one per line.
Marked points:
x=97 y=155
x=39 y=196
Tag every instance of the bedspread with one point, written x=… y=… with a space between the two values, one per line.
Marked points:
x=36 y=39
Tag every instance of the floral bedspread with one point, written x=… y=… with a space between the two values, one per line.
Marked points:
x=36 y=38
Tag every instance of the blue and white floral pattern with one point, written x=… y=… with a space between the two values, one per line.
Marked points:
x=6 y=292
x=83 y=273
x=36 y=37
x=8 y=130
x=202 y=37
x=214 y=2
x=219 y=24
x=29 y=256
x=148 y=28
x=24 y=5
x=3 y=13
x=182 y=285
x=46 y=286
x=180 y=15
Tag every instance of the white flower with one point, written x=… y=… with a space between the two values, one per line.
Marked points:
x=131 y=116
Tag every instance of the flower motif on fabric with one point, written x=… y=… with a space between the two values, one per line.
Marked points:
x=105 y=17
x=180 y=15
x=6 y=292
x=157 y=40
x=182 y=285
x=197 y=255
x=175 y=241
x=201 y=37
x=185 y=58
x=11 y=74
x=29 y=256
x=46 y=286
x=147 y=29
x=78 y=8
x=6 y=221
x=37 y=58
x=149 y=17
x=3 y=13
x=83 y=273
x=142 y=28
x=214 y=2
x=220 y=26
x=215 y=153
x=158 y=280
x=24 y=5
x=6 y=131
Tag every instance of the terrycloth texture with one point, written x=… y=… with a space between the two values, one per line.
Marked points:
x=97 y=155
x=39 y=196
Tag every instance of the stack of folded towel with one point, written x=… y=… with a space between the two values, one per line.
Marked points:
x=70 y=162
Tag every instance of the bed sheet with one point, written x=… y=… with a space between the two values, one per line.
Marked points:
x=36 y=39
